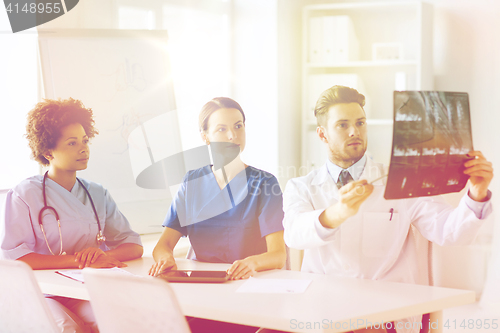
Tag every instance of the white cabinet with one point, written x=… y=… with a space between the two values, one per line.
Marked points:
x=375 y=47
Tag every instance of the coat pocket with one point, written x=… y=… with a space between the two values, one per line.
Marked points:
x=380 y=232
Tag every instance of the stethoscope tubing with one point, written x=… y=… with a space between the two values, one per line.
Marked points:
x=99 y=237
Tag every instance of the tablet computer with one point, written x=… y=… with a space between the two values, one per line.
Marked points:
x=195 y=276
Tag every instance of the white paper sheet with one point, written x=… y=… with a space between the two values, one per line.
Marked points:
x=274 y=286
x=77 y=274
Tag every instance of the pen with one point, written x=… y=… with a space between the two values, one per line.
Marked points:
x=373 y=181
x=392 y=212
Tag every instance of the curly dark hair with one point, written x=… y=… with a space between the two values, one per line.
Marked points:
x=47 y=119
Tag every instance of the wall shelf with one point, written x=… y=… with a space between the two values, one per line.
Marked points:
x=380 y=63
x=376 y=48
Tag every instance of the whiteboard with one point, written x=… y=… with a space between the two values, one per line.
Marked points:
x=124 y=76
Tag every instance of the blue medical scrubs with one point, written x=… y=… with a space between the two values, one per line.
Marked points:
x=20 y=232
x=229 y=224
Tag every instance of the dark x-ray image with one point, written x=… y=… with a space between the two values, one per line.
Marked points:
x=431 y=139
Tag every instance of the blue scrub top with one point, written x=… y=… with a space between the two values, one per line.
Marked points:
x=229 y=224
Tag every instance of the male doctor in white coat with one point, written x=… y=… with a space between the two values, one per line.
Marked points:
x=344 y=224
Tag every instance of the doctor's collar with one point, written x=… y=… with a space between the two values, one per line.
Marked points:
x=355 y=170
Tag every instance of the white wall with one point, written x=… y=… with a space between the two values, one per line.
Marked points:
x=289 y=88
x=254 y=80
x=466 y=58
x=18 y=84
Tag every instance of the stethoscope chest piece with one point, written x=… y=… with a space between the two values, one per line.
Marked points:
x=100 y=238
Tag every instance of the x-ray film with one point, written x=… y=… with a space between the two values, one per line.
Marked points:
x=431 y=139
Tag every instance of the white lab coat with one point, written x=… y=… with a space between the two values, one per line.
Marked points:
x=375 y=243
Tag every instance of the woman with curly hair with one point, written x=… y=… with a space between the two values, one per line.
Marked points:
x=57 y=220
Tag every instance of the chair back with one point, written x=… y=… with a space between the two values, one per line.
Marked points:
x=128 y=304
x=3 y=195
x=23 y=308
x=190 y=253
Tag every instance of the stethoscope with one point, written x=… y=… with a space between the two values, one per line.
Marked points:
x=100 y=237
